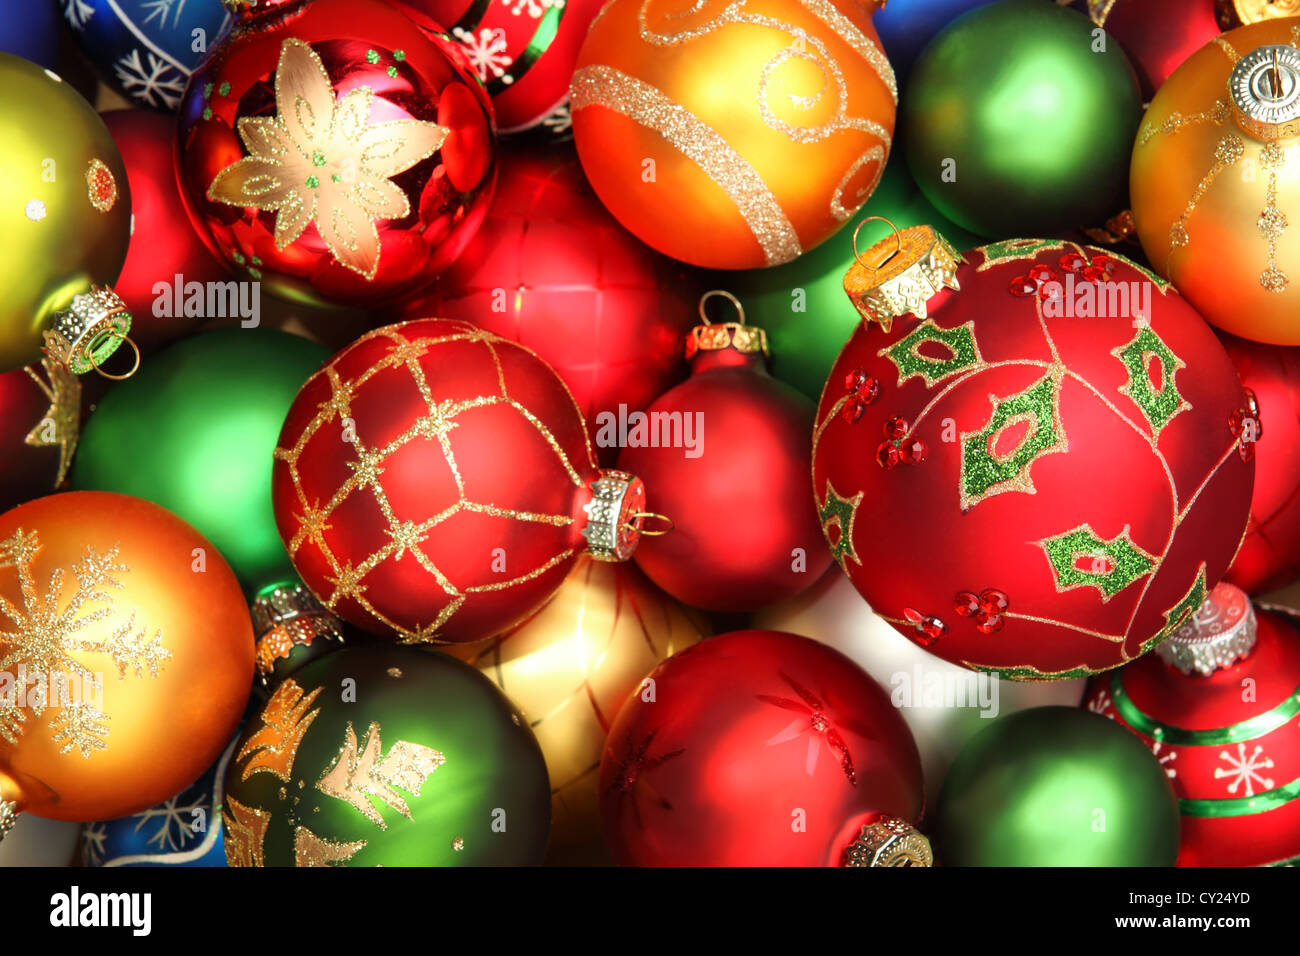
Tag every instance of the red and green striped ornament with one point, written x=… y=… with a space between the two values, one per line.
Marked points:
x=1218 y=704
x=523 y=51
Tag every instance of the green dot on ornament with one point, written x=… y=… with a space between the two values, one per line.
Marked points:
x=207 y=90
x=224 y=90
x=312 y=182
x=399 y=56
x=372 y=57
x=318 y=158
x=392 y=71
x=256 y=261
x=336 y=178
x=207 y=113
x=255 y=273
x=238 y=257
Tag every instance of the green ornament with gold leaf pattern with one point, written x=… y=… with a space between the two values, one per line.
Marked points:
x=386 y=755
x=1033 y=459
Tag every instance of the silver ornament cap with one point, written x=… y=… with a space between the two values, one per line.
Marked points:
x=1221 y=632
x=1265 y=90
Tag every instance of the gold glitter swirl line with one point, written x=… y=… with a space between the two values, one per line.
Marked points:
x=730 y=172
x=1173 y=532
x=550 y=440
x=560 y=521
x=1218 y=114
x=535 y=572
x=862 y=44
x=1228 y=50
x=1227 y=153
x=1272 y=221
x=877 y=154
x=1114 y=638
x=1042 y=324
x=826 y=422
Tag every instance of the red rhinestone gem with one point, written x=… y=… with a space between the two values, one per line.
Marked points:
x=913 y=615
x=990 y=624
x=1072 y=262
x=1247 y=450
x=853 y=410
x=887 y=455
x=913 y=452
x=1022 y=286
x=869 y=390
x=1094 y=274
x=933 y=628
x=896 y=427
x=1042 y=273
x=1104 y=262
x=1252 y=402
x=1050 y=290
x=854 y=380
x=966 y=603
x=1237 y=423
x=993 y=601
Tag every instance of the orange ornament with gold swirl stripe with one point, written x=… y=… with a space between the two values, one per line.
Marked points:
x=1215 y=181
x=733 y=134
x=126 y=656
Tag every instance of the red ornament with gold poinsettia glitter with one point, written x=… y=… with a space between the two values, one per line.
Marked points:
x=522 y=50
x=757 y=748
x=335 y=151
x=726 y=456
x=436 y=482
x=1218 y=704
x=1269 y=557
x=552 y=270
x=1015 y=482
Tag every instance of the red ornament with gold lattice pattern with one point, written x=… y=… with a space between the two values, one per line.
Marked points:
x=1082 y=486
x=431 y=481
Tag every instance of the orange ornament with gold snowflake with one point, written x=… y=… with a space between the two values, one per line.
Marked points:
x=436 y=483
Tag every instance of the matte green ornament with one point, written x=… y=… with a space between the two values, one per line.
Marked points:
x=194 y=431
x=1018 y=121
x=387 y=755
x=802 y=305
x=1056 y=786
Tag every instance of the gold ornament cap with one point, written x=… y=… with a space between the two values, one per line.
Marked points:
x=1264 y=88
x=84 y=335
x=616 y=515
x=900 y=273
x=888 y=841
x=715 y=336
x=1221 y=632
x=287 y=616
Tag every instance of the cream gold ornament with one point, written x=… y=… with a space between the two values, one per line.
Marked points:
x=1235 y=13
x=569 y=667
x=733 y=134
x=1215 y=181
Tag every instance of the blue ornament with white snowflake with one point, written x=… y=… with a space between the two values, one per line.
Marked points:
x=182 y=831
x=31 y=31
x=146 y=49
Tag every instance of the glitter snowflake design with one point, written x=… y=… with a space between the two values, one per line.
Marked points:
x=159 y=9
x=1102 y=705
x=1167 y=758
x=1245 y=769
x=174 y=821
x=93 y=837
x=533 y=8
x=158 y=84
x=560 y=120
x=43 y=639
x=486 y=51
x=345 y=581
x=77 y=13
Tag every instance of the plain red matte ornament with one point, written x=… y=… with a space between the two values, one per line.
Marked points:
x=552 y=270
x=726 y=457
x=754 y=748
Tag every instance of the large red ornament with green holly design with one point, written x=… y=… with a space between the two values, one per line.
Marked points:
x=1015 y=482
x=1218 y=706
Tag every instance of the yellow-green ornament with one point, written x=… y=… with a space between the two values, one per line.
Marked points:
x=65 y=215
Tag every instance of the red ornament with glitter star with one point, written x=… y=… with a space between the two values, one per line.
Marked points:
x=40 y=422
x=1218 y=704
x=756 y=748
x=364 y=190
x=524 y=51
x=1269 y=557
x=725 y=455
x=436 y=483
x=1085 y=481
x=552 y=270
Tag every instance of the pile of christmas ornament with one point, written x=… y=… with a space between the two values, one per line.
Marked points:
x=657 y=432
